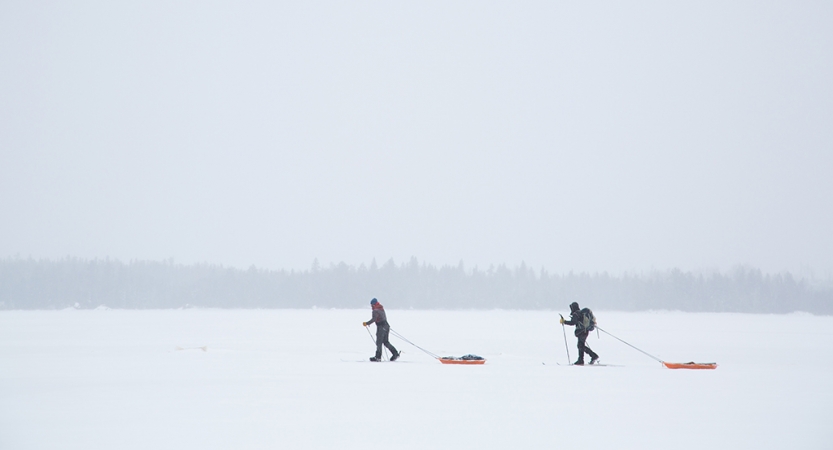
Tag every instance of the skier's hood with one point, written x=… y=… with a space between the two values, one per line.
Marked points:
x=573 y=307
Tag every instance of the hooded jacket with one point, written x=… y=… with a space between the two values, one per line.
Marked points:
x=576 y=319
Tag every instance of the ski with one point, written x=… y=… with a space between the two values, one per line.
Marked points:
x=374 y=362
x=368 y=360
x=363 y=361
x=590 y=365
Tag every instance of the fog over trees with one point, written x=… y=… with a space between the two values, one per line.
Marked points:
x=86 y=284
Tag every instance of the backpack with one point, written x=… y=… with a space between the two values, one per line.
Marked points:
x=588 y=320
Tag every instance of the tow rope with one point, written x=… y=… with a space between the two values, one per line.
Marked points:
x=631 y=346
x=433 y=355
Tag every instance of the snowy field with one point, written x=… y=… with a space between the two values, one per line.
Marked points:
x=297 y=379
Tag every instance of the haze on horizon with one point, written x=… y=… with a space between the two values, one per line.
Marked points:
x=590 y=137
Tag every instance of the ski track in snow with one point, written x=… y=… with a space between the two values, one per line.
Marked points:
x=113 y=379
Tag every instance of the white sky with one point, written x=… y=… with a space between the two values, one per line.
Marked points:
x=595 y=136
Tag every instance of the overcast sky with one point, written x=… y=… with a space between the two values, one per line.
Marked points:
x=618 y=136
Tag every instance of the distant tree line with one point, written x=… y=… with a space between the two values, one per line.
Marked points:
x=86 y=284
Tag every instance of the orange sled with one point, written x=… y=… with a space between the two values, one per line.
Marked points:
x=690 y=365
x=461 y=361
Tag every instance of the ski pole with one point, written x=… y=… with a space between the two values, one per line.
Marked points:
x=372 y=338
x=566 y=347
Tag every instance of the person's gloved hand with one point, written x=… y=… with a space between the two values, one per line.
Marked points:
x=364 y=324
x=561 y=320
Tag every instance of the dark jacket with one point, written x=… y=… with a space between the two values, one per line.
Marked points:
x=576 y=320
x=379 y=316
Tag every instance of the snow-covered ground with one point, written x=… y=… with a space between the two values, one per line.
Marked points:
x=287 y=379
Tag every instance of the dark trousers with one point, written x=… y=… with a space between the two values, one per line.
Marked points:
x=583 y=348
x=382 y=333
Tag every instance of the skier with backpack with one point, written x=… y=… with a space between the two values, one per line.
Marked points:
x=585 y=322
x=382 y=331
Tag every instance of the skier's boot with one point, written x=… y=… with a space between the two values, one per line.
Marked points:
x=594 y=359
x=395 y=356
x=579 y=363
x=375 y=359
